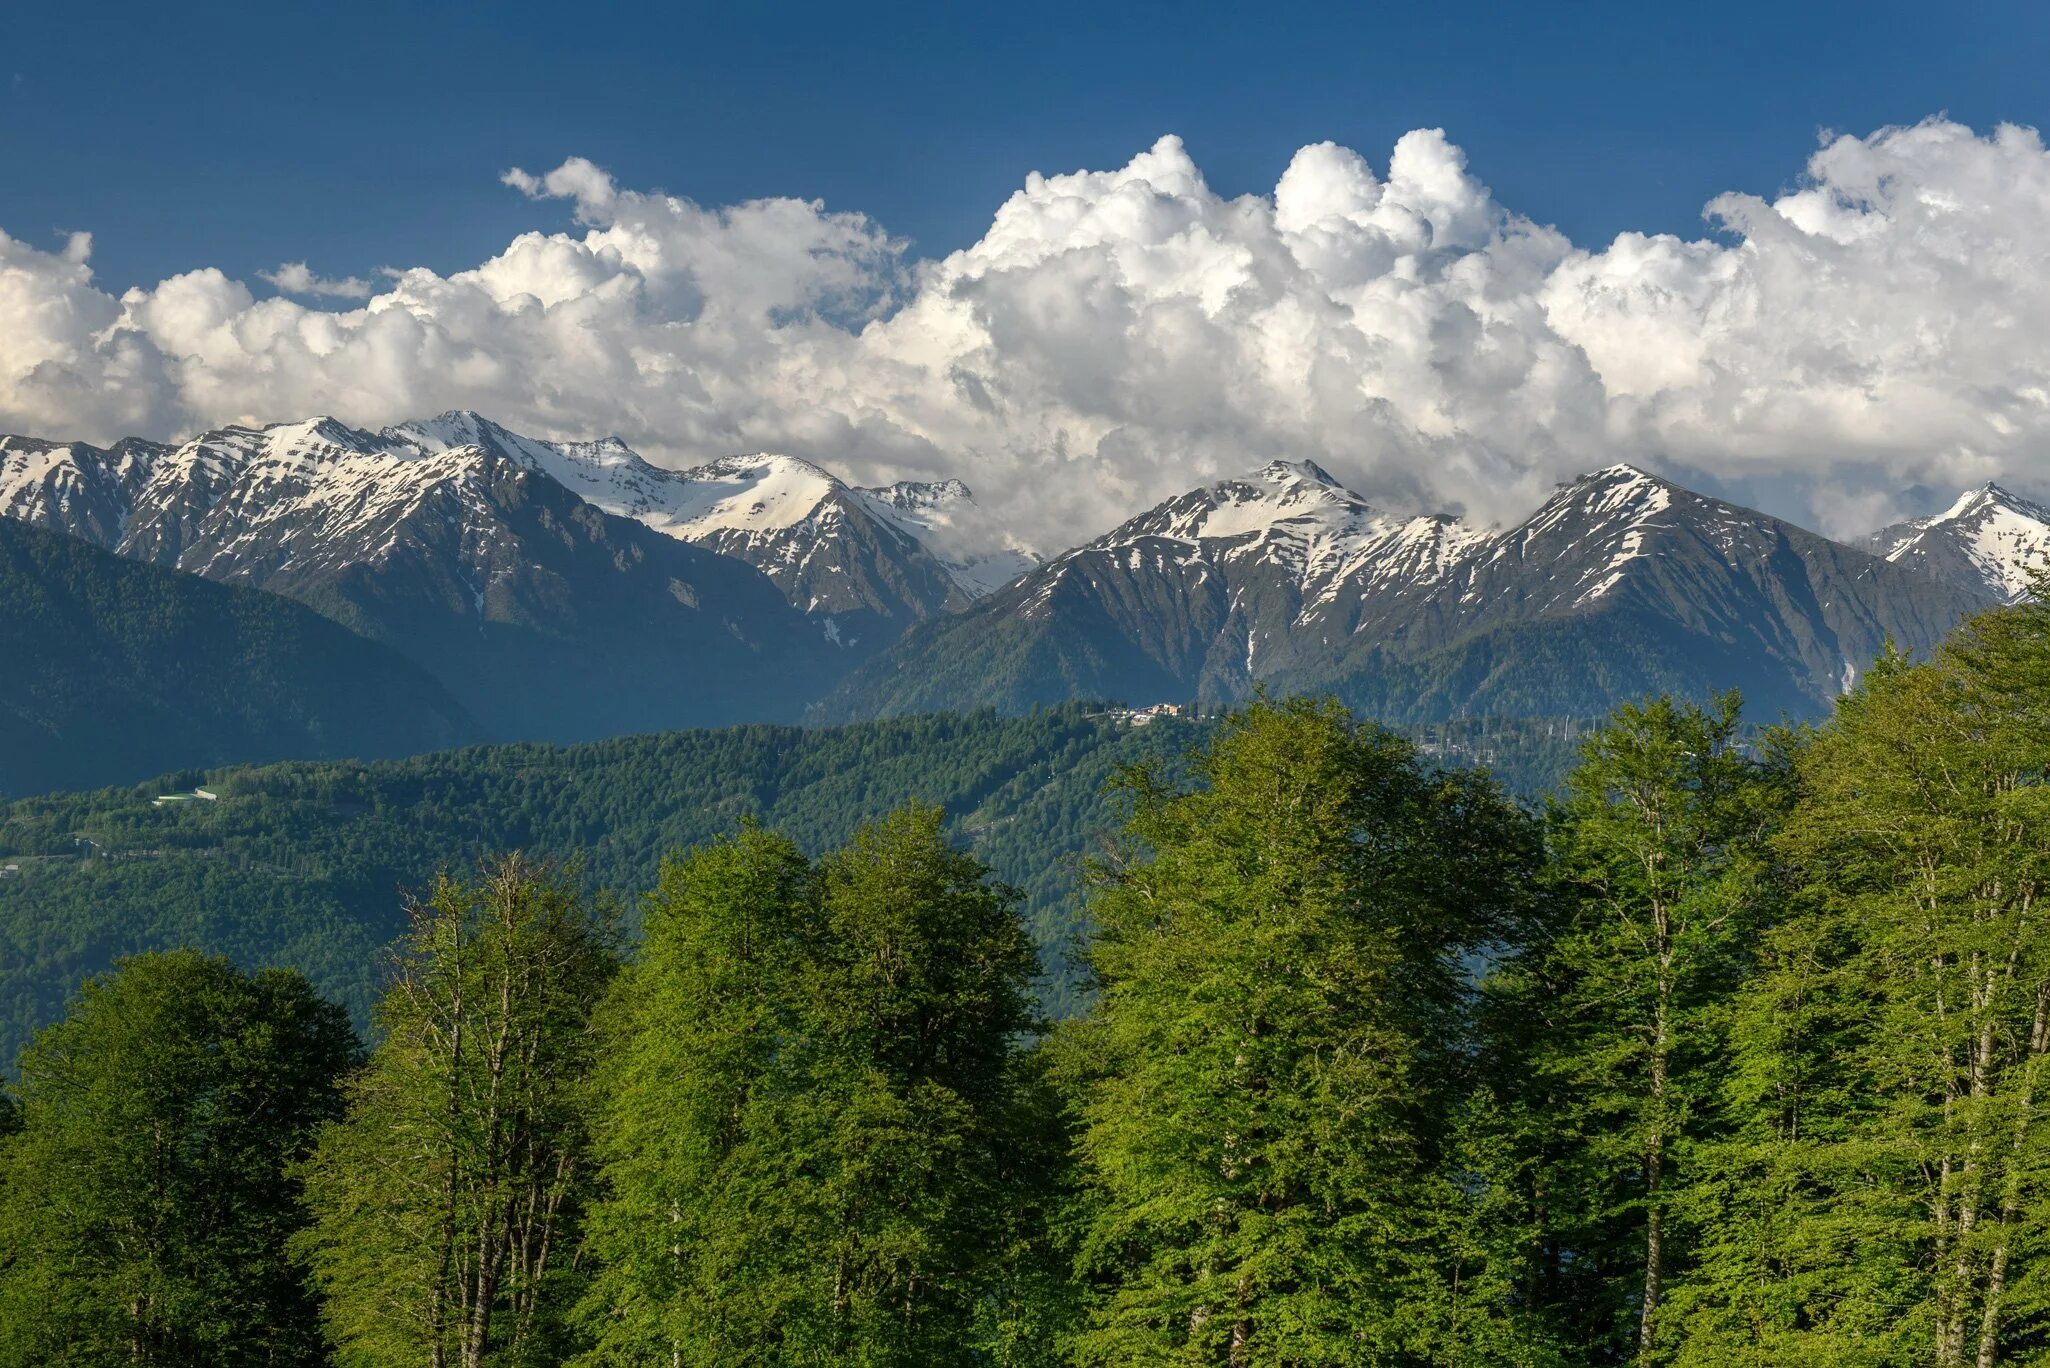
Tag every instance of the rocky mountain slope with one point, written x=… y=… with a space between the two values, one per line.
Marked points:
x=870 y=560
x=1620 y=584
x=546 y=616
x=568 y=589
x=1988 y=540
x=862 y=563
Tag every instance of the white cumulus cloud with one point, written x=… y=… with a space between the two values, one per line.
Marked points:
x=1117 y=335
x=296 y=277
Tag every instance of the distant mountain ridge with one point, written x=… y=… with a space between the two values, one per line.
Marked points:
x=1988 y=539
x=546 y=616
x=1621 y=584
x=884 y=557
x=112 y=672
x=563 y=590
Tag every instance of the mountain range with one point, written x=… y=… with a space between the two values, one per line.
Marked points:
x=568 y=590
x=1620 y=584
x=559 y=591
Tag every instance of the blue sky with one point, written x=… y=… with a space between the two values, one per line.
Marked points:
x=1445 y=322
x=359 y=135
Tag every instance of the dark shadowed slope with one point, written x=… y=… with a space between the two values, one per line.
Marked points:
x=112 y=671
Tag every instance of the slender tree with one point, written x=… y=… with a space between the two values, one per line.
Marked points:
x=1654 y=854
x=1265 y=1085
x=699 y=1254
x=146 y=1200
x=1893 y=1058
x=446 y=1201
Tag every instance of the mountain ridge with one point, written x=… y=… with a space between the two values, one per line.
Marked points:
x=1987 y=537
x=1621 y=583
x=116 y=671
x=543 y=614
x=605 y=593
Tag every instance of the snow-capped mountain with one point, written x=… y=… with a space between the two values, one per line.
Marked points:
x=373 y=527
x=546 y=616
x=1316 y=536
x=899 y=553
x=1632 y=584
x=1620 y=584
x=1988 y=539
x=74 y=488
x=963 y=536
x=868 y=561
x=1216 y=587
x=1249 y=565
x=574 y=588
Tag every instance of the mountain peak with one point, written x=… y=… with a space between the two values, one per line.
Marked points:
x=1989 y=539
x=755 y=462
x=455 y=426
x=1620 y=491
x=320 y=428
x=1985 y=498
x=1289 y=472
x=1620 y=475
x=908 y=495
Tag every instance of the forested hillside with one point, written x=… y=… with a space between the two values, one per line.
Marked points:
x=303 y=863
x=112 y=671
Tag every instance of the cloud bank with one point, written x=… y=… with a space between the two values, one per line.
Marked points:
x=1118 y=335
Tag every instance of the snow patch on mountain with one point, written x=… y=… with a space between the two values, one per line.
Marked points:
x=1989 y=538
x=1296 y=517
x=1583 y=539
x=150 y=500
x=1285 y=525
x=755 y=497
x=71 y=487
x=748 y=494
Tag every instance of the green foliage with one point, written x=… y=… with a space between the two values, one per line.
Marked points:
x=1655 y=846
x=693 y=1069
x=446 y=1203
x=1264 y=1084
x=810 y=1087
x=147 y=1197
x=1605 y=1027
x=1735 y=1058
x=1881 y=1200
x=917 y=1000
x=301 y=863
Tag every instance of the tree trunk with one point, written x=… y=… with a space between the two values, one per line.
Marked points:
x=2010 y=1202
x=1655 y=1145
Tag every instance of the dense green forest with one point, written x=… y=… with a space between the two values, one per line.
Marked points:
x=1727 y=1056
x=302 y=863
x=114 y=671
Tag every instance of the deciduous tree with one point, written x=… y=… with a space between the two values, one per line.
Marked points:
x=146 y=1200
